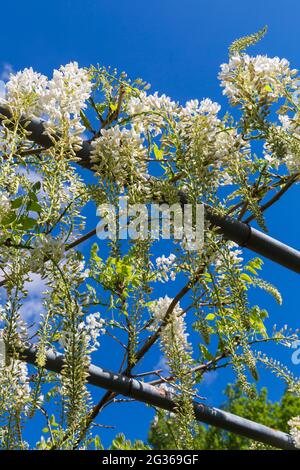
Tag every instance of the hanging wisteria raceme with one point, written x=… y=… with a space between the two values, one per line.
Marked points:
x=294 y=424
x=60 y=100
x=166 y=267
x=116 y=299
x=119 y=154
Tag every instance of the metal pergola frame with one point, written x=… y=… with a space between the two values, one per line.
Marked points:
x=162 y=398
x=234 y=230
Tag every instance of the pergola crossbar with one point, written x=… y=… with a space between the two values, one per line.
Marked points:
x=162 y=398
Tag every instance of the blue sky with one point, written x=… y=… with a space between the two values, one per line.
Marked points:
x=177 y=46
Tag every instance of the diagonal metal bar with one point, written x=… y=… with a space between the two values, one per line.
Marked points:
x=161 y=398
x=234 y=230
x=256 y=241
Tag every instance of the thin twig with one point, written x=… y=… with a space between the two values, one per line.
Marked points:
x=276 y=197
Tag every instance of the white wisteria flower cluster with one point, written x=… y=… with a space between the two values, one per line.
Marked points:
x=165 y=266
x=119 y=155
x=4 y=204
x=257 y=78
x=294 y=424
x=24 y=91
x=93 y=327
x=47 y=248
x=234 y=254
x=149 y=111
x=15 y=386
x=174 y=328
x=59 y=100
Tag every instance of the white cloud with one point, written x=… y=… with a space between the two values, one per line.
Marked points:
x=209 y=378
x=6 y=70
x=2 y=91
x=163 y=366
x=37 y=285
x=32 y=175
x=31 y=310
x=33 y=307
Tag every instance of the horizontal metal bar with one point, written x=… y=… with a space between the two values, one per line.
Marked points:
x=161 y=398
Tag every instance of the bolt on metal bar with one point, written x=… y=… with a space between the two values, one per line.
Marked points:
x=241 y=233
x=161 y=398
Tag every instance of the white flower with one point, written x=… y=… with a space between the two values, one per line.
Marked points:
x=294 y=424
x=146 y=103
x=58 y=100
x=24 y=90
x=148 y=112
x=257 y=77
x=63 y=100
x=234 y=255
x=235 y=252
x=164 y=266
x=4 y=205
x=46 y=248
x=119 y=154
x=67 y=92
x=94 y=327
x=206 y=106
x=209 y=107
x=285 y=122
x=14 y=386
x=207 y=143
x=194 y=108
x=175 y=328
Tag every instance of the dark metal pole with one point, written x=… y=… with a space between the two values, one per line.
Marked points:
x=160 y=398
x=256 y=241
x=36 y=128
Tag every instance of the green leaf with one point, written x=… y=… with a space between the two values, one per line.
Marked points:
x=254 y=373
x=26 y=223
x=34 y=206
x=159 y=154
x=94 y=253
x=205 y=352
x=36 y=187
x=268 y=88
x=113 y=106
x=52 y=421
x=16 y=203
x=210 y=316
x=246 y=278
x=9 y=218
